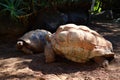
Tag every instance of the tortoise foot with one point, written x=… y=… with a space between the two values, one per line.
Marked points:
x=103 y=62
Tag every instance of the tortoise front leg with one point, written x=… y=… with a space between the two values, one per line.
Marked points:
x=49 y=53
x=101 y=61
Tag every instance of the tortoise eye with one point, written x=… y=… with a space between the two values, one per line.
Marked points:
x=20 y=43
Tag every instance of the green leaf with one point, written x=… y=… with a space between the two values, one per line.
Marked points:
x=18 y=2
x=4 y=5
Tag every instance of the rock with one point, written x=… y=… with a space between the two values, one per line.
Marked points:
x=104 y=15
x=79 y=18
x=49 y=20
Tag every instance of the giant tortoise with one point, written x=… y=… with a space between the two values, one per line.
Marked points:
x=33 y=41
x=78 y=43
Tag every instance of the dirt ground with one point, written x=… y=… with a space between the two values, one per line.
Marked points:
x=15 y=65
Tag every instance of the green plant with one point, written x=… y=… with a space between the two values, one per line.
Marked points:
x=12 y=8
x=96 y=6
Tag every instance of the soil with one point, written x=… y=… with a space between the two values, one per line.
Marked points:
x=15 y=65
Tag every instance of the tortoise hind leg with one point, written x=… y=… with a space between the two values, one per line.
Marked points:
x=49 y=53
x=101 y=61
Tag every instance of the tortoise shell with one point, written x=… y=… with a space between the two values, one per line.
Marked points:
x=79 y=43
x=34 y=40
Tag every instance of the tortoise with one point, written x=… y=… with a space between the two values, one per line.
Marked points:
x=80 y=44
x=33 y=41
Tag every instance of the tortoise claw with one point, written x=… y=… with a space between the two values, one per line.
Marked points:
x=105 y=63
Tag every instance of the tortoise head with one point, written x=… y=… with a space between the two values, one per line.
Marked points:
x=19 y=44
x=48 y=37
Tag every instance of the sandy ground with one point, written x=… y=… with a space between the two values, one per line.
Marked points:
x=15 y=65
